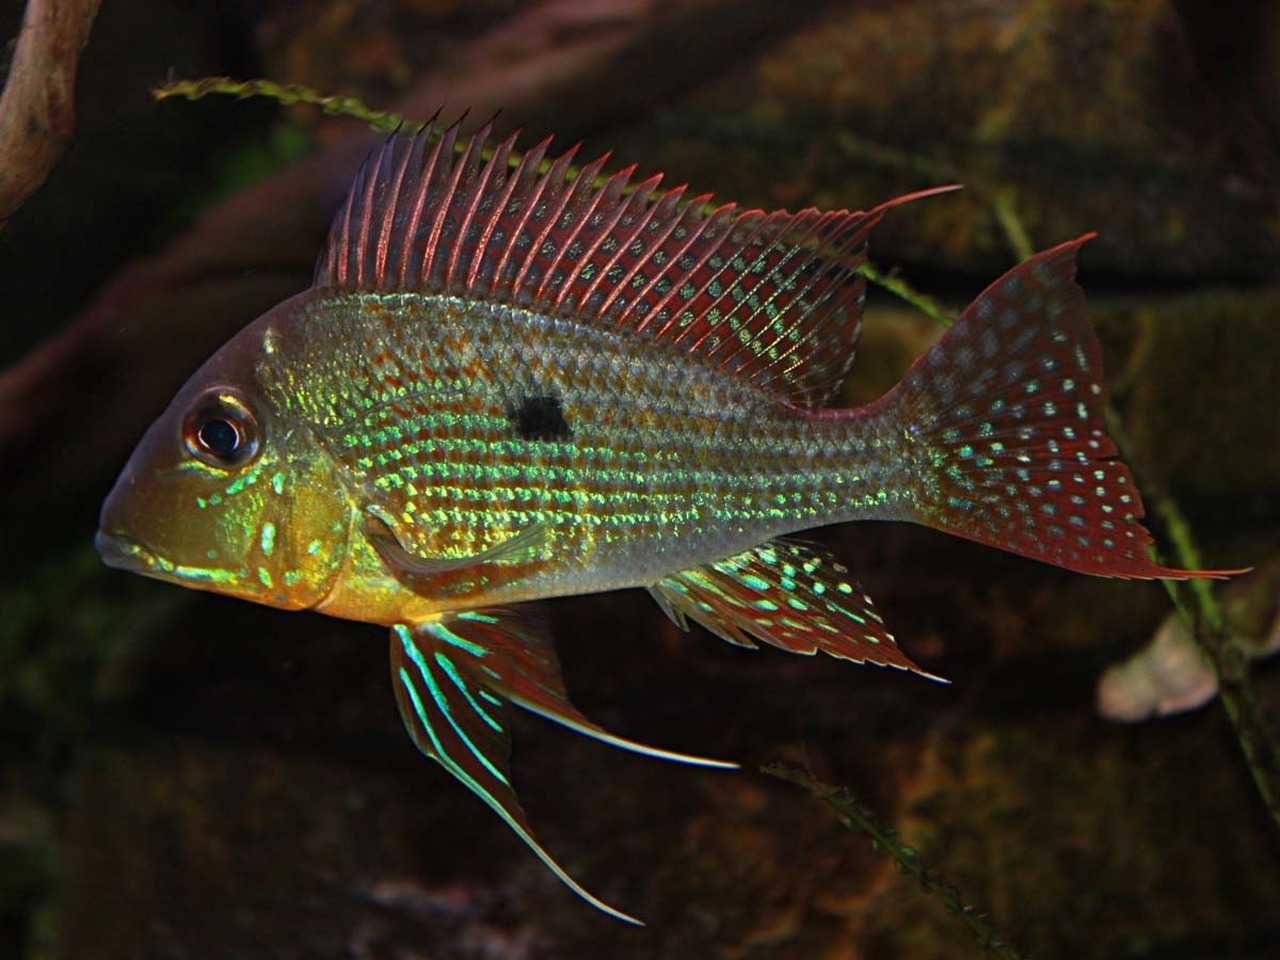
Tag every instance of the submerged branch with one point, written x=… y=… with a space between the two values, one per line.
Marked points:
x=37 y=110
x=884 y=839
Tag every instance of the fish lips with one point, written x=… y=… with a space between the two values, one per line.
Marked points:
x=123 y=553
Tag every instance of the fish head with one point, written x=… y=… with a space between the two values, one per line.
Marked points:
x=226 y=493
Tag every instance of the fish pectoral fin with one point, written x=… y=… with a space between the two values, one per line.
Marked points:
x=454 y=719
x=418 y=573
x=790 y=595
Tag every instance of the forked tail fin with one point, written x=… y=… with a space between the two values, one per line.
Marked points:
x=1007 y=412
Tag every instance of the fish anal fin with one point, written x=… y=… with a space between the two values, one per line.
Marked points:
x=454 y=720
x=789 y=595
x=772 y=298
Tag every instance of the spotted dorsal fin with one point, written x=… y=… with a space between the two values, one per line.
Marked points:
x=772 y=297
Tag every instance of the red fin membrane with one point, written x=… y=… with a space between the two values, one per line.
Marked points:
x=450 y=678
x=1008 y=408
x=789 y=595
x=773 y=298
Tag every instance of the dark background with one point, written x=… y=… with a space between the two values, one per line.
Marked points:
x=189 y=776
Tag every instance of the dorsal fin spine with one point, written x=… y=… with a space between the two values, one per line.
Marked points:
x=366 y=218
x=610 y=198
x=819 y=229
x=770 y=297
x=556 y=179
x=340 y=256
x=776 y=243
x=388 y=221
x=719 y=215
x=663 y=208
x=587 y=175
x=437 y=225
x=512 y=176
x=474 y=149
x=556 y=176
x=411 y=226
x=759 y=223
x=639 y=196
x=530 y=161
x=854 y=236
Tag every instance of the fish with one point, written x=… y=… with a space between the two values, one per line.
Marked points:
x=513 y=379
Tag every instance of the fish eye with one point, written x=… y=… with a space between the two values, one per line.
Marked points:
x=221 y=430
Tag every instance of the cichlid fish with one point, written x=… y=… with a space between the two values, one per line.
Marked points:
x=505 y=385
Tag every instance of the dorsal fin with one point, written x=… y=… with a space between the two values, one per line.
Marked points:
x=771 y=297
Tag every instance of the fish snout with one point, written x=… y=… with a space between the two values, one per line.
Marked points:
x=120 y=552
x=115 y=547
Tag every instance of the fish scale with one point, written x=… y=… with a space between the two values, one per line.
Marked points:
x=507 y=384
x=662 y=482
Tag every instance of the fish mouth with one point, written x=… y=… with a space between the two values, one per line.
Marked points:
x=124 y=553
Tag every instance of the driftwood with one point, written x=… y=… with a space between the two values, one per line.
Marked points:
x=37 y=110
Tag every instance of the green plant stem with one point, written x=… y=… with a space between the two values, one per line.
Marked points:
x=1194 y=599
x=854 y=815
x=904 y=291
x=1207 y=623
x=289 y=94
x=1004 y=202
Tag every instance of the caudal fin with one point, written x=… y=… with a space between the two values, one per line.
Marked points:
x=1008 y=411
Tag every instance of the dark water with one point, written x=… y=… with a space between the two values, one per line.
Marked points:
x=190 y=776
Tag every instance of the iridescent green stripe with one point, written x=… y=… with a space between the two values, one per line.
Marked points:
x=447 y=666
x=439 y=630
x=414 y=654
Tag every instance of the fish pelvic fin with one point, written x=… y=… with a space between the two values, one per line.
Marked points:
x=453 y=718
x=452 y=678
x=1005 y=415
x=771 y=297
x=790 y=595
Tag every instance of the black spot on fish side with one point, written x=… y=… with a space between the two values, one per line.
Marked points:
x=538 y=418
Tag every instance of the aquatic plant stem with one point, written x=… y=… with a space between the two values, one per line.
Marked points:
x=289 y=94
x=904 y=291
x=854 y=815
x=1194 y=600
x=1207 y=623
